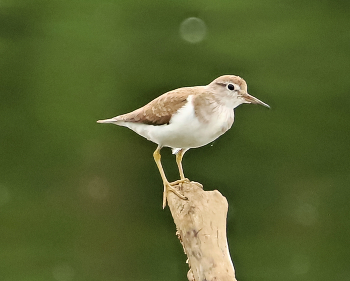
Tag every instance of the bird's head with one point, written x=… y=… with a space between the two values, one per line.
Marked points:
x=234 y=89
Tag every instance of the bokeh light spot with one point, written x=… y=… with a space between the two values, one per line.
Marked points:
x=4 y=195
x=306 y=214
x=63 y=272
x=300 y=264
x=97 y=188
x=193 y=30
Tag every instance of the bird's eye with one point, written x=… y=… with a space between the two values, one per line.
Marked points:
x=231 y=87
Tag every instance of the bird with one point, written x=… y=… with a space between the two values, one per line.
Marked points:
x=187 y=117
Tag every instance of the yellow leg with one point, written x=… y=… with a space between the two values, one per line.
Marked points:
x=179 y=156
x=167 y=186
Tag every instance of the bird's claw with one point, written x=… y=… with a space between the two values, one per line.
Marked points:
x=176 y=191
x=169 y=187
x=178 y=182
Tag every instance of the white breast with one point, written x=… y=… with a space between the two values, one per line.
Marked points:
x=185 y=130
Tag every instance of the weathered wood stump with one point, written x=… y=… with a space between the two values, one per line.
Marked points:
x=201 y=229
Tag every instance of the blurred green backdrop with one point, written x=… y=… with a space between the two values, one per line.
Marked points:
x=82 y=201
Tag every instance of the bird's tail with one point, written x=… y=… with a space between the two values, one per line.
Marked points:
x=113 y=120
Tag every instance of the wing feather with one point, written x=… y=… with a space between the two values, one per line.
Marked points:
x=160 y=110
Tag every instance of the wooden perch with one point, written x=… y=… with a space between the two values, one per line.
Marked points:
x=201 y=229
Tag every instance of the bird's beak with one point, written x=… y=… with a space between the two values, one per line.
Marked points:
x=250 y=99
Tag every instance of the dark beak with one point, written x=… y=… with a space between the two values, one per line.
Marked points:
x=250 y=99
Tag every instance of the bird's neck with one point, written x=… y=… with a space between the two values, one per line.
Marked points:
x=227 y=100
x=208 y=104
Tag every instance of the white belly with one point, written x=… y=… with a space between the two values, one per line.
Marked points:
x=185 y=130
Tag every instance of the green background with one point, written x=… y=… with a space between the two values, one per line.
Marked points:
x=82 y=201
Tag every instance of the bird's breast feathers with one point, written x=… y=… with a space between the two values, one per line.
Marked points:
x=190 y=128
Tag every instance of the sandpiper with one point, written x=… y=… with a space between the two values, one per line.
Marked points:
x=187 y=118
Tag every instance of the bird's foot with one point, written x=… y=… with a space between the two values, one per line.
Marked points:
x=169 y=187
x=184 y=180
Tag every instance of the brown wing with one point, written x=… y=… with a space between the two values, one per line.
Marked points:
x=160 y=110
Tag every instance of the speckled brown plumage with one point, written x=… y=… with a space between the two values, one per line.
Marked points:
x=160 y=110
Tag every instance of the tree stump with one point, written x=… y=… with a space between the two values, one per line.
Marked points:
x=201 y=229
